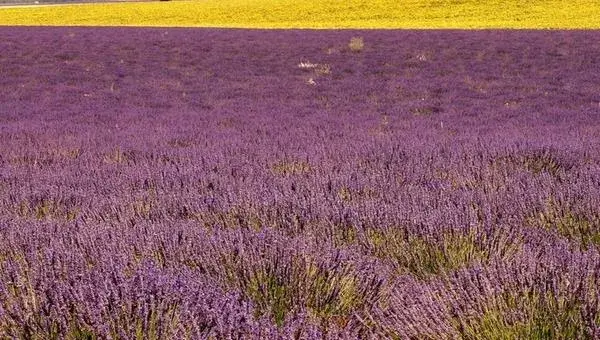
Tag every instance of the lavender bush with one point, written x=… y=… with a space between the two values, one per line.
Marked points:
x=202 y=183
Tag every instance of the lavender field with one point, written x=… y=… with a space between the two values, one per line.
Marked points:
x=224 y=184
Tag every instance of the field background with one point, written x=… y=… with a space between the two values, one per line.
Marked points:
x=184 y=183
x=267 y=184
x=315 y=14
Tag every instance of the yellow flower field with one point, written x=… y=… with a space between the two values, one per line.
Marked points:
x=319 y=14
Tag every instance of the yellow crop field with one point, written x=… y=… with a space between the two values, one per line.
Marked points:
x=318 y=14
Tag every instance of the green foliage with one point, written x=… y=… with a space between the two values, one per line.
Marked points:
x=542 y=161
x=287 y=168
x=117 y=156
x=233 y=218
x=158 y=322
x=527 y=315
x=343 y=235
x=280 y=287
x=79 y=332
x=142 y=208
x=348 y=195
x=537 y=162
x=47 y=209
x=425 y=257
x=575 y=226
x=271 y=294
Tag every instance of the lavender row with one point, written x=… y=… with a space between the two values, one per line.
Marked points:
x=185 y=183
